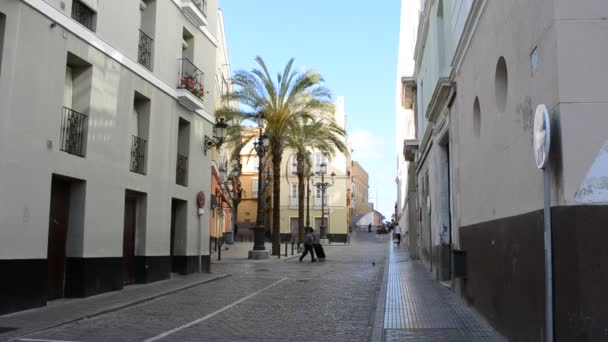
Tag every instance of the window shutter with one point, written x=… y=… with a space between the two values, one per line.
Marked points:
x=254 y=188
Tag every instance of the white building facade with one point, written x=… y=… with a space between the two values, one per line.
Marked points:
x=103 y=110
x=405 y=119
x=482 y=68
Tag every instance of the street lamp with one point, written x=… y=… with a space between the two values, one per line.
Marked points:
x=261 y=147
x=323 y=185
x=219 y=134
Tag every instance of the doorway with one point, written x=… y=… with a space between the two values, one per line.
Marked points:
x=294 y=228
x=133 y=231
x=318 y=224
x=57 y=240
x=178 y=232
x=445 y=253
x=66 y=228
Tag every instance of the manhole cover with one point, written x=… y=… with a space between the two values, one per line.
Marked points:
x=6 y=329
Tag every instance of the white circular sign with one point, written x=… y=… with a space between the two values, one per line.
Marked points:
x=542 y=136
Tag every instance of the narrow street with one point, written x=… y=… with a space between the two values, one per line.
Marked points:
x=342 y=299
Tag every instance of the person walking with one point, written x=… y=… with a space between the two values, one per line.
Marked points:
x=369 y=228
x=308 y=245
x=398 y=233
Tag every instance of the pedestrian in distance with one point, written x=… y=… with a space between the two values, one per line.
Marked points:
x=369 y=228
x=398 y=233
x=308 y=245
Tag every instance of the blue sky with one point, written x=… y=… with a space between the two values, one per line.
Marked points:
x=353 y=44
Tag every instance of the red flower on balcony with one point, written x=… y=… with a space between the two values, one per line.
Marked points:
x=189 y=83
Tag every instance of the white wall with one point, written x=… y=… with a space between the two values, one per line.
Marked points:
x=31 y=99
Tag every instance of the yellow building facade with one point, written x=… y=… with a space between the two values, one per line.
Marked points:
x=337 y=205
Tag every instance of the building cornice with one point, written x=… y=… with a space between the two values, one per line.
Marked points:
x=203 y=29
x=95 y=41
x=470 y=27
x=439 y=99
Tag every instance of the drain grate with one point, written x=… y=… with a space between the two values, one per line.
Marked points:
x=6 y=329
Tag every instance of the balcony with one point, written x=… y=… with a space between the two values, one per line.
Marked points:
x=195 y=11
x=84 y=15
x=138 y=155
x=190 y=86
x=144 y=50
x=181 y=170
x=73 y=132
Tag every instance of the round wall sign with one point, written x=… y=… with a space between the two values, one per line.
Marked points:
x=200 y=199
x=542 y=136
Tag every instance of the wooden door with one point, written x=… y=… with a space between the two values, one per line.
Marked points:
x=172 y=242
x=128 y=242
x=58 y=231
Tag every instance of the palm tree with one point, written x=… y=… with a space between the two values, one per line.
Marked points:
x=285 y=102
x=322 y=134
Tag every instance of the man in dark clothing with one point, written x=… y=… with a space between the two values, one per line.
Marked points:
x=308 y=248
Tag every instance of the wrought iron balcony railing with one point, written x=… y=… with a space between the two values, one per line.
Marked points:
x=181 y=170
x=144 y=51
x=202 y=5
x=73 y=132
x=191 y=78
x=138 y=155
x=83 y=14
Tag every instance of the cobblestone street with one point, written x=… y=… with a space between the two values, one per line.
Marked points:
x=267 y=300
x=350 y=297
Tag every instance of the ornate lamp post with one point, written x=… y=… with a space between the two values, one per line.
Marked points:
x=233 y=187
x=323 y=185
x=261 y=147
x=219 y=134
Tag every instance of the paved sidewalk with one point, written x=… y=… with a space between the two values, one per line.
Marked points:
x=64 y=311
x=418 y=308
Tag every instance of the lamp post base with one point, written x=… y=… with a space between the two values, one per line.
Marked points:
x=257 y=255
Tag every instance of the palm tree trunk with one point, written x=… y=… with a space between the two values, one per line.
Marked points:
x=277 y=156
x=300 y=158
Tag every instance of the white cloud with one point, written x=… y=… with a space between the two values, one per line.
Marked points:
x=366 y=146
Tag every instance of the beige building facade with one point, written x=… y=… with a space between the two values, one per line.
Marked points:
x=360 y=190
x=479 y=78
x=104 y=106
x=337 y=210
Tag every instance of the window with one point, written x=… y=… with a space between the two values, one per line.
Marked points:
x=187 y=45
x=318 y=201
x=320 y=158
x=294 y=164
x=534 y=60
x=501 y=84
x=147 y=9
x=256 y=163
x=254 y=188
x=183 y=151
x=293 y=197
x=477 y=118
x=2 y=25
x=76 y=103
x=83 y=14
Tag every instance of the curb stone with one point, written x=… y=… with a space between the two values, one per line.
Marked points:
x=378 y=327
